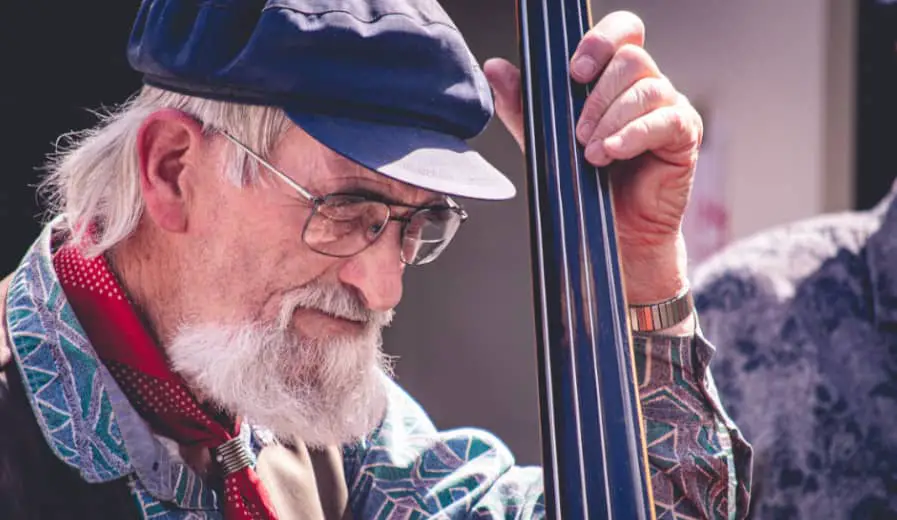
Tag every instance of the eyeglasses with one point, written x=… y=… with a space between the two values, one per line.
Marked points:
x=342 y=225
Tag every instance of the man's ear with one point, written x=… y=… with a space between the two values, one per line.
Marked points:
x=169 y=144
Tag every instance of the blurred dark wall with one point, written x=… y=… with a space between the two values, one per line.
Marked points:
x=57 y=60
x=876 y=135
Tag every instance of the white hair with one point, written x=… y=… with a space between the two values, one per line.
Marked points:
x=326 y=391
x=94 y=176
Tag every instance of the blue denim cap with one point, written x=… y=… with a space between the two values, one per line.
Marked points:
x=390 y=84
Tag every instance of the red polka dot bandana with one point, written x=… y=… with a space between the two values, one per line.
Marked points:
x=157 y=393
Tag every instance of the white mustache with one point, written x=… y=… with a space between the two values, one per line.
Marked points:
x=334 y=300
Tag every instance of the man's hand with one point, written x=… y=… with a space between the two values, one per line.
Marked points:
x=638 y=124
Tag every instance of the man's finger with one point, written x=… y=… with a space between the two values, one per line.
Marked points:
x=672 y=131
x=599 y=45
x=504 y=78
x=628 y=66
x=644 y=97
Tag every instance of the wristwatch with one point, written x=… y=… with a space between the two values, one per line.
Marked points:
x=657 y=316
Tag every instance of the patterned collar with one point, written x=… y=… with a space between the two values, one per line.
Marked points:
x=84 y=416
x=881 y=251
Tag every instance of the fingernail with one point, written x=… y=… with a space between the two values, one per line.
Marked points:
x=585 y=130
x=585 y=67
x=613 y=143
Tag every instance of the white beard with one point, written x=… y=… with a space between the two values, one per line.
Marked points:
x=324 y=392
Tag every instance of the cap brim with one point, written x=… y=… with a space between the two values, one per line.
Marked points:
x=420 y=157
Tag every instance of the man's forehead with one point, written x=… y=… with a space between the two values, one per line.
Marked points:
x=333 y=171
x=350 y=174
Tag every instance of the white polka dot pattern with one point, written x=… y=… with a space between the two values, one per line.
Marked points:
x=243 y=508
x=159 y=398
x=92 y=274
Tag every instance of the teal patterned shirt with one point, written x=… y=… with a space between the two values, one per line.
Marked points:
x=405 y=469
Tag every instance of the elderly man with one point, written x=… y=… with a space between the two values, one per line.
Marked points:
x=197 y=332
x=805 y=315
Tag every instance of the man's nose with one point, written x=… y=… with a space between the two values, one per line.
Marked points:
x=376 y=273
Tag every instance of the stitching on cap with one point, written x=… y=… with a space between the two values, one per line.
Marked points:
x=426 y=21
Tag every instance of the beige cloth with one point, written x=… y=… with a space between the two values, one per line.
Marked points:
x=304 y=483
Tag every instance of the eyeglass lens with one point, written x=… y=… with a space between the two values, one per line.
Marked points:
x=344 y=225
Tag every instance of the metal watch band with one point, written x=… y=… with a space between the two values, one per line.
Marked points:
x=663 y=315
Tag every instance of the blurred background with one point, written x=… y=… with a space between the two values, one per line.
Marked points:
x=798 y=99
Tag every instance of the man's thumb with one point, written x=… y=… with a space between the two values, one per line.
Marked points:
x=504 y=78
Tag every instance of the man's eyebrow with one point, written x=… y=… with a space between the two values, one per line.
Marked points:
x=369 y=193
x=368 y=188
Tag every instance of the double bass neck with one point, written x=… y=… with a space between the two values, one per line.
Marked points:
x=594 y=453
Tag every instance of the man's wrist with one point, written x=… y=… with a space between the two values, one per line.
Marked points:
x=654 y=273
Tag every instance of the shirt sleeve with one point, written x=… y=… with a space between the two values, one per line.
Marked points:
x=700 y=464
